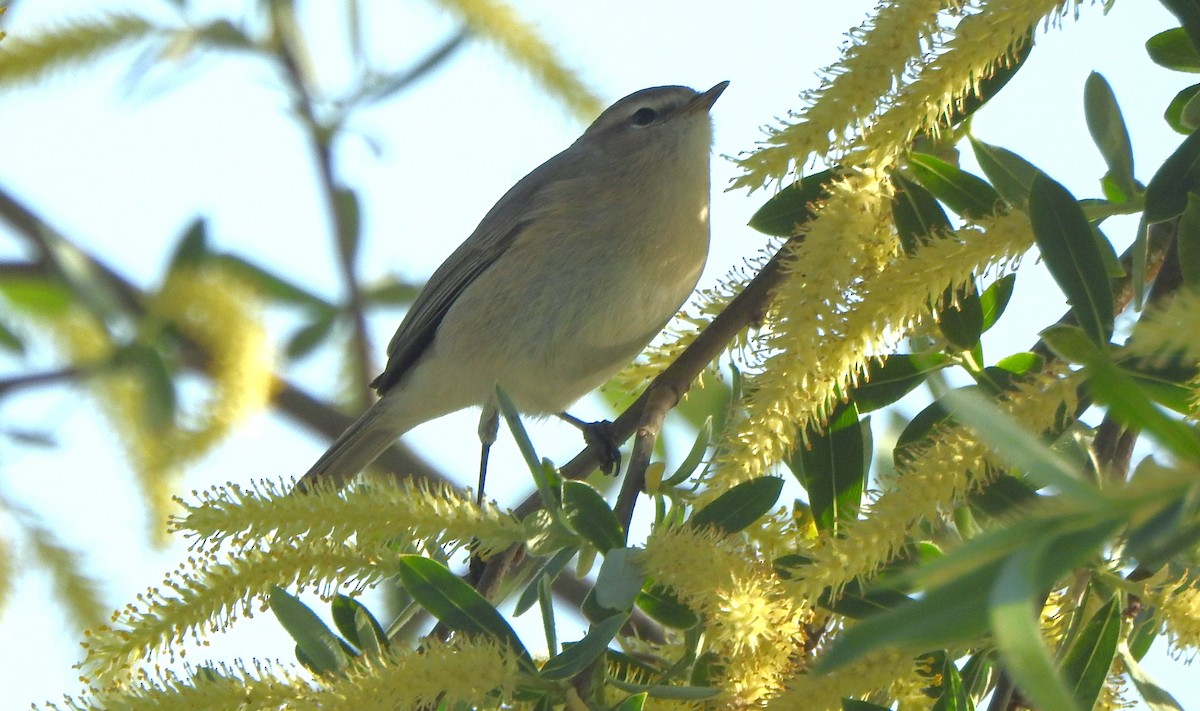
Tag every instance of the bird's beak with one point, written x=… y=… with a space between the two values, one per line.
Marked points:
x=705 y=101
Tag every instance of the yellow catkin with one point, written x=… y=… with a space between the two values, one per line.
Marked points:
x=499 y=24
x=207 y=594
x=751 y=624
x=984 y=38
x=214 y=687
x=78 y=594
x=938 y=477
x=373 y=512
x=476 y=673
x=824 y=692
x=1176 y=605
x=872 y=65
x=221 y=314
x=825 y=329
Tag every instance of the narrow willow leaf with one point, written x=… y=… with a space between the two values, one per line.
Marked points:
x=348 y=216
x=10 y=341
x=1014 y=623
x=961 y=317
x=1156 y=697
x=740 y=506
x=270 y=284
x=791 y=207
x=1188 y=14
x=589 y=515
x=694 y=456
x=1174 y=112
x=1172 y=49
x=1089 y=659
x=312 y=334
x=833 y=468
x=319 y=645
x=1017 y=446
x=356 y=623
x=994 y=299
x=551 y=570
x=952 y=695
x=894 y=378
x=1071 y=254
x=966 y=194
x=574 y=658
x=1166 y=194
x=1010 y=174
x=1107 y=126
x=455 y=603
x=633 y=703
x=1187 y=241
x=620 y=579
x=662 y=606
x=917 y=214
x=192 y=247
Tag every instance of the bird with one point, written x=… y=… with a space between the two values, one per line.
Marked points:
x=564 y=282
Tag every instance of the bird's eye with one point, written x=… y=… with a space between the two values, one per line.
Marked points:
x=644 y=117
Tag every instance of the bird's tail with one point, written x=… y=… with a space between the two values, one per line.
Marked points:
x=357 y=447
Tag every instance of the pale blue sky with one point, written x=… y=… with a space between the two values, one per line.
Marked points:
x=124 y=174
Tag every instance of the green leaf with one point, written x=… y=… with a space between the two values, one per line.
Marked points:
x=319 y=645
x=35 y=57
x=966 y=194
x=160 y=402
x=10 y=341
x=589 y=515
x=1108 y=130
x=1014 y=623
x=1188 y=14
x=1005 y=494
x=1128 y=403
x=348 y=216
x=994 y=299
x=833 y=468
x=1166 y=195
x=1011 y=175
x=269 y=284
x=632 y=703
x=551 y=570
x=694 y=456
x=1172 y=49
x=193 y=245
x=620 y=579
x=357 y=624
x=790 y=207
x=993 y=83
x=1156 y=697
x=917 y=214
x=740 y=506
x=894 y=378
x=391 y=292
x=1187 y=241
x=662 y=606
x=309 y=336
x=37 y=296
x=917 y=429
x=1069 y=249
x=455 y=603
x=1018 y=447
x=1090 y=657
x=576 y=657
x=857 y=601
x=1175 y=110
x=961 y=317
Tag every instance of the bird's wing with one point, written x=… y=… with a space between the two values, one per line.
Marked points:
x=490 y=240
